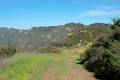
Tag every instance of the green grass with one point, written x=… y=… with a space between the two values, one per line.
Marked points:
x=31 y=66
x=26 y=66
x=21 y=66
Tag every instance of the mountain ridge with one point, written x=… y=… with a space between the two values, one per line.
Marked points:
x=31 y=39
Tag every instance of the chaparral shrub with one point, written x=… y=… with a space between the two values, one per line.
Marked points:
x=103 y=57
x=7 y=51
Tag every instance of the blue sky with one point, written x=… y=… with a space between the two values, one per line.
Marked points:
x=25 y=14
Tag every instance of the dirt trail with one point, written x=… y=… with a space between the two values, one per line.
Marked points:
x=50 y=75
x=74 y=72
x=2 y=62
x=78 y=73
x=53 y=67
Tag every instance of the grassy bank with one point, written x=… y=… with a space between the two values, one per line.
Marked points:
x=26 y=66
x=21 y=66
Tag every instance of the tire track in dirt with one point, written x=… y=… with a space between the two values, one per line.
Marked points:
x=78 y=74
x=50 y=75
x=2 y=62
x=74 y=72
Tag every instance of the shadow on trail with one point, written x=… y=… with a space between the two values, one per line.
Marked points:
x=98 y=76
x=88 y=70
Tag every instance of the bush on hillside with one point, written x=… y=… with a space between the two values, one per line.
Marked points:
x=49 y=49
x=116 y=23
x=103 y=57
x=7 y=51
x=57 y=44
x=86 y=35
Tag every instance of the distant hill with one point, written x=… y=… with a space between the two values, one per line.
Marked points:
x=84 y=35
x=36 y=37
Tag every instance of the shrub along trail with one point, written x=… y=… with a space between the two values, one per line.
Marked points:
x=60 y=66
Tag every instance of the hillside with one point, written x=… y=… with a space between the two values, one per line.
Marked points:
x=41 y=36
x=103 y=57
x=95 y=46
x=86 y=35
x=36 y=36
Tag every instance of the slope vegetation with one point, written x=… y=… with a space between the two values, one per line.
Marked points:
x=103 y=57
x=37 y=37
x=45 y=67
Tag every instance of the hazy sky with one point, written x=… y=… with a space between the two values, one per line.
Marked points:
x=29 y=13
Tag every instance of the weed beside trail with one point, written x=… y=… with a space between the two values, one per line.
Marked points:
x=62 y=66
x=21 y=66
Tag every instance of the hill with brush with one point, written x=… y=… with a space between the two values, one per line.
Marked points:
x=37 y=37
x=103 y=57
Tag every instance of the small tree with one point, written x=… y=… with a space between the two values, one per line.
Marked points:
x=116 y=23
x=7 y=51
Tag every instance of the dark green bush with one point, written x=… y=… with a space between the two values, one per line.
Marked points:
x=7 y=51
x=116 y=23
x=49 y=49
x=103 y=57
x=116 y=34
x=57 y=44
